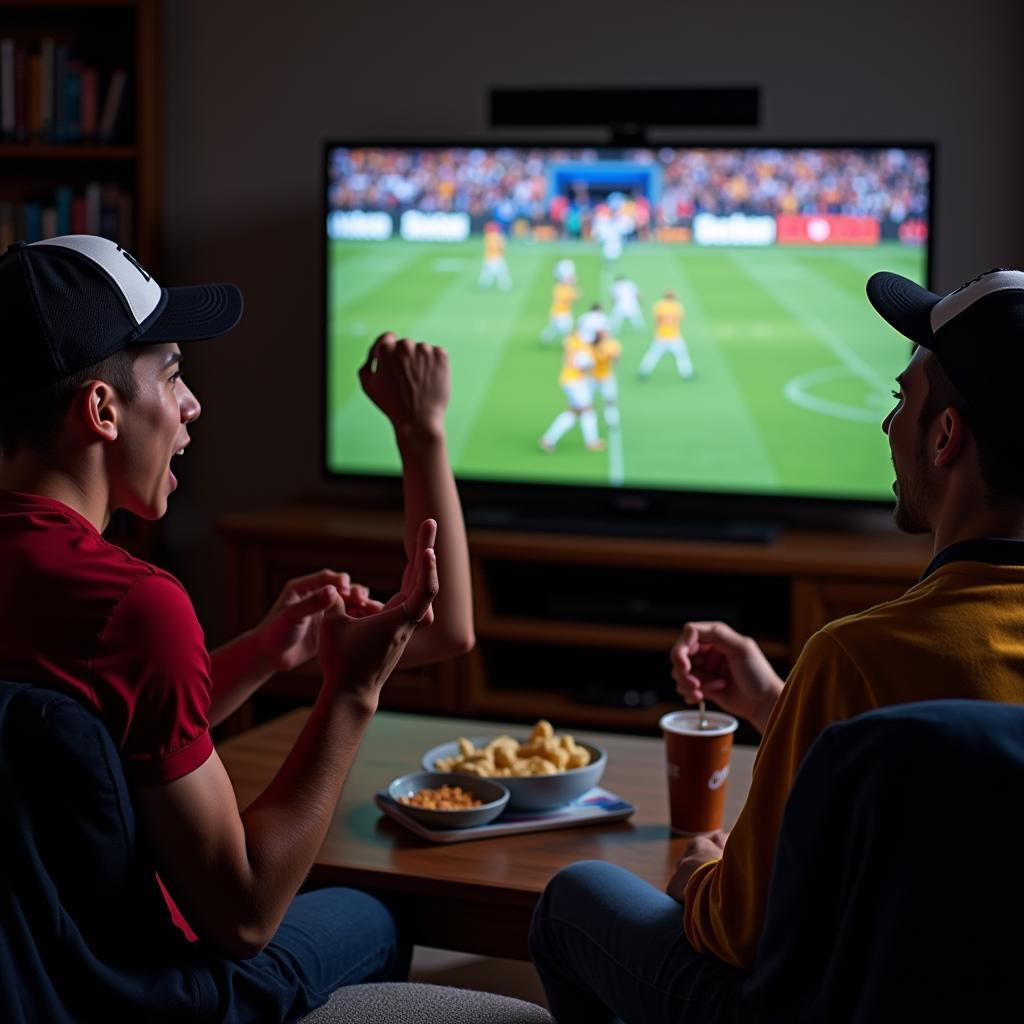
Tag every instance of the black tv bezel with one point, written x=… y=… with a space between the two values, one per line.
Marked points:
x=630 y=511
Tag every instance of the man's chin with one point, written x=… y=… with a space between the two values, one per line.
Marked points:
x=907 y=522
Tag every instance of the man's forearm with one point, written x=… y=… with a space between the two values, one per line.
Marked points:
x=286 y=824
x=430 y=493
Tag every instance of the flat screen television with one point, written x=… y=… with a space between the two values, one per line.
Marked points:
x=630 y=328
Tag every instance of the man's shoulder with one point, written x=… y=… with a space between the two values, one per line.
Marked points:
x=880 y=614
x=58 y=546
x=851 y=634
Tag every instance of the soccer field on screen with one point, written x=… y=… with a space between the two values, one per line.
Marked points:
x=792 y=368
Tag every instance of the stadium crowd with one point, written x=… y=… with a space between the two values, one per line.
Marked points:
x=507 y=185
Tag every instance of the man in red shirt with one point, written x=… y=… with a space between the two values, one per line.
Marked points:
x=95 y=412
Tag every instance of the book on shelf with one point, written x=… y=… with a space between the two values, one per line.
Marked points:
x=8 y=118
x=73 y=94
x=20 y=95
x=60 y=100
x=46 y=83
x=34 y=128
x=113 y=105
x=8 y=230
x=63 y=200
x=100 y=208
x=90 y=105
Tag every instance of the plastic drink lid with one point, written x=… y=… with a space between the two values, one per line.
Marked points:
x=688 y=723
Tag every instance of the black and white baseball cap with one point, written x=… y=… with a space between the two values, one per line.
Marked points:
x=69 y=302
x=976 y=332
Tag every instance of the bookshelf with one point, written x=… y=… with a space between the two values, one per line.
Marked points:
x=80 y=121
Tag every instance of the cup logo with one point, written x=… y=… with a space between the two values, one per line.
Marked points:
x=672 y=770
x=718 y=778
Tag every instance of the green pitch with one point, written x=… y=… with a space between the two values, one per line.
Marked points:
x=793 y=369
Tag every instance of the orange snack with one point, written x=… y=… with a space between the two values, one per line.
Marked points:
x=444 y=798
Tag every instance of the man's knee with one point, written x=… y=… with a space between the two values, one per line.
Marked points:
x=567 y=893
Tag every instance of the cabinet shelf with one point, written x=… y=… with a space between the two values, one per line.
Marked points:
x=555 y=660
x=54 y=151
x=586 y=634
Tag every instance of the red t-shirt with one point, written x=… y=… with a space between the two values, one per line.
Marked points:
x=82 y=616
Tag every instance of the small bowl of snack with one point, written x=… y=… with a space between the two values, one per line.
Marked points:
x=545 y=771
x=448 y=800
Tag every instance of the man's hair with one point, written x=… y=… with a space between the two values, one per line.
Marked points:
x=999 y=456
x=34 y=420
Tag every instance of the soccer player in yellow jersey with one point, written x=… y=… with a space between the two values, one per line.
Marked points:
x=607 y=352
x=563 y=296
x=668 y=337
x=494 y=268
x=576 y=380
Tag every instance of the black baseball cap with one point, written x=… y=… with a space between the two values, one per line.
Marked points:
x=976 y=332
x=69 y=302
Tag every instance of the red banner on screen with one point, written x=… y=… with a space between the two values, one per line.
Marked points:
x=826 y=229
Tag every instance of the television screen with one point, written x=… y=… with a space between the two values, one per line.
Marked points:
x=686 y=318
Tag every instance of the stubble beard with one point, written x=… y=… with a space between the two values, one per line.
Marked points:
x=913 y=497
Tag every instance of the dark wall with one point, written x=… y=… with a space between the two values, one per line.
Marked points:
x=253 y=88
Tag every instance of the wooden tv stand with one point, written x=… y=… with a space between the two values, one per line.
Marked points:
x=573 y=628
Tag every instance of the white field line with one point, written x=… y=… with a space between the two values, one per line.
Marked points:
x=616 y=457
x=796 y=391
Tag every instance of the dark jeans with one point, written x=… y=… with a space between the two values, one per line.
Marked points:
x=607 y=945
x=328 y=938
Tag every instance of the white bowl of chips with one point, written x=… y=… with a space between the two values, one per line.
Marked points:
x=545 y=771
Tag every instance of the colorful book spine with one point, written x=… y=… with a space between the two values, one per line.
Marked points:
x=35 y=97
x=47 y=48
x=89 y=117
x=8 y=225
x=113 y=105
x=60 y=99
x=8 y=121
x=73 y=99
x=32 y=221
x=20 y=95
x=64 y=199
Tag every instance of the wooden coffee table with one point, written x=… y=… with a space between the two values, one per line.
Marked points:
x=475 y=896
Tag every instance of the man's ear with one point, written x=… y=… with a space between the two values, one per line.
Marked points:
x=99 y=410
x=950 y=436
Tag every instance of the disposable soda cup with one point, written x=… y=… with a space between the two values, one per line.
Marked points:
x=697 y=763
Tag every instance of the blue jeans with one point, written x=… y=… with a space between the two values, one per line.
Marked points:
x=328 y=938
x=607 y=945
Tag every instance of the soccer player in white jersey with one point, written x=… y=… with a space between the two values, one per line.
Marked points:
x=625 y=305
x=591 y=323
x=610 y=228
x=565 y=270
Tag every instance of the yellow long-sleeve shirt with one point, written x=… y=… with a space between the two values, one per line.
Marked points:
x=958 y=633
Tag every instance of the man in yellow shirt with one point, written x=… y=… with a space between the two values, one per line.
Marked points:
x=668 y=338
x=563 y=296
x=577 y=382
x=607 y=943
x=607 y=352
x=494 y=268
